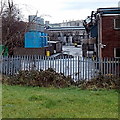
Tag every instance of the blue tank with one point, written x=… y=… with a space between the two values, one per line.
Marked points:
x=40 y=40
x=42 y=37
x=33 y=40
x=46 y=39
x=44 y=42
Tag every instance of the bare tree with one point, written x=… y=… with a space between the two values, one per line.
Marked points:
x=13 y=28
x=2 y=6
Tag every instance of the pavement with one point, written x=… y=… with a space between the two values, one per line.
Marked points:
x=72 y=50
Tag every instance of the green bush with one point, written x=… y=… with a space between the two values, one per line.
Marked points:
x=47 y=78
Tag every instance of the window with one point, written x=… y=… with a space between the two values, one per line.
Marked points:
x=117 y=23
x=117 y=52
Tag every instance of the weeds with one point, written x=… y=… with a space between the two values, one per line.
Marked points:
x=101 y=82
x=47 y=78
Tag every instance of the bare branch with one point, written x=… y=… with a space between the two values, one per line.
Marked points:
x=2 y=6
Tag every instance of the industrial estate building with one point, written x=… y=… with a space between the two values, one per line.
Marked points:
x=68 y=32
x=35 y=39
x=99 y=35
x=103 y=29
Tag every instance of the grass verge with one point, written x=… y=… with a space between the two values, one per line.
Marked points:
x=38 y=102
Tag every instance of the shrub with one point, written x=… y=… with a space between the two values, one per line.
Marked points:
x=41 y=78
x=107 y=82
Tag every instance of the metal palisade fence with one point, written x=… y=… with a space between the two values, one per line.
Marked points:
x=77 y=67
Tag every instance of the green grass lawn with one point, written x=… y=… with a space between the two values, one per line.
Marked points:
x=35 y=102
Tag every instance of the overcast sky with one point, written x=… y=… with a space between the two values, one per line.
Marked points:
x=56 y=11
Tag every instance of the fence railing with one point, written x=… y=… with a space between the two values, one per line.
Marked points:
x=77 y=67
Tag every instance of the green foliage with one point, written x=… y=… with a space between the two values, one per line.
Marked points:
x=47 y=78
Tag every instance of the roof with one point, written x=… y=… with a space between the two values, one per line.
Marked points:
x=115 y=10
x=66 y=28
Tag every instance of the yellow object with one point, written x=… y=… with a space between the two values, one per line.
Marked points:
x=75 y=44
x=47 y=53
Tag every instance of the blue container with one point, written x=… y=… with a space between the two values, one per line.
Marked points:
x=46 y=41
x=33 y=40
x=42 y=37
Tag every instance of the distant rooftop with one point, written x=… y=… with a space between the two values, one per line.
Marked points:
x=114 y=10
x=67 y=28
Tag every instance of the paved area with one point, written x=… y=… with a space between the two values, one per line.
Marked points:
x=72 y=50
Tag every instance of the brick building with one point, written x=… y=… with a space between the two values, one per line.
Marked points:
x=104 y=26
x=109 y=32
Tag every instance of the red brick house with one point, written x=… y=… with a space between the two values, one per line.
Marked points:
x=104 y=26
x=109 y=32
